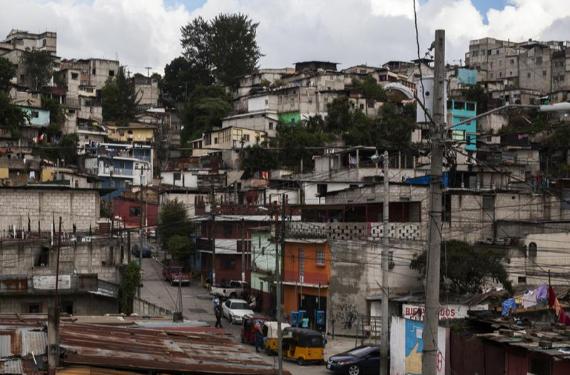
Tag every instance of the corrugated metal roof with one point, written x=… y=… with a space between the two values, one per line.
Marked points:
x=33 y=341
x=5 y=345
x=149 y=350
x=11 y=366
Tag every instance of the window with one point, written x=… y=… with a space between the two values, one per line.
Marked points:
x=270 y=126
x=322 y=189
x=67 y=307
x=111 y=73
x=459 y=105
x=512 y=62
x=528 y=75
x=33 y=308
x=35 y=114
x=176 y=176
x=532 y=250
x=135 y=211
x=215 y=140
x=488 y=202
x=246 y=137
x=521 y=279
x=470 y=106
x=301 y=262
x=93 y=71
x=544 y=73
x=361 y=106
x=42 y=259
x=320 y=258
x=74 y=76
x=538 y=60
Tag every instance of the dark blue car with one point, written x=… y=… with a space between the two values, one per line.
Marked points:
x=361 y=360
x=146 y=252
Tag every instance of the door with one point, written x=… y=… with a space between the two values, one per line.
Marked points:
x=372 y=362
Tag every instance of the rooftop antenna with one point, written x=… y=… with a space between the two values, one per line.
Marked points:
x=148 y=68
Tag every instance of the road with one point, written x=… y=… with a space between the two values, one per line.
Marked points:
x=197 y=305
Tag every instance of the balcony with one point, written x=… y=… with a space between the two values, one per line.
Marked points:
x=372 y=231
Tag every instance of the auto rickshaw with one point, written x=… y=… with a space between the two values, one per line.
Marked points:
x=303 y=345
x=270 y=337
x=248 y=328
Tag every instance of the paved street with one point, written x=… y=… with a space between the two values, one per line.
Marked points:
x=197 y=305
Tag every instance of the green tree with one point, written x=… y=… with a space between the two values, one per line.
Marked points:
x=465 y=268
x=56 y=114
x=204 y=110
x=119 y=99
x=340 y=115
x=370 y=89
x=38 y=68
x=180 y=247
x=7 y=72
x=181 y=77
x=295 y=142
x=130 y=281
x=65 y=149
x=11 y=116
x=172 y=221
x=256 y=159
x=225 y=46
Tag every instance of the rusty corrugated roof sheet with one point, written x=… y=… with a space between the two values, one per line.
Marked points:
x=33 y=341
x=150 y=350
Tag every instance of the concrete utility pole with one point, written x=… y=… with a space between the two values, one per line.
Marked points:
x=429 y=336
x=213 y=234
x=385 y=337
x=53 y=315
x=242 y=250
x=279 y=274
x=142 y=169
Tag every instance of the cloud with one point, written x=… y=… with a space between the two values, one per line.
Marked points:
x=147 y=32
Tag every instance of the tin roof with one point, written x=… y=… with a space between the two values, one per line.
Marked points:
x=11 y=366
x=150 y=350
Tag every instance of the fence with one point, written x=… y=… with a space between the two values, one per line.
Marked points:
x=145 y=308
x=354 y=231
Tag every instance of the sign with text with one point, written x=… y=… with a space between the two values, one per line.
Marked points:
x=48 y=282
x=417 y=312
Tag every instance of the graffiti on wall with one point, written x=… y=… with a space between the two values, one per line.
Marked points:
x=346 y=314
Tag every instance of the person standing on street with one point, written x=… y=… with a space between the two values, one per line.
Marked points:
x=258 y=337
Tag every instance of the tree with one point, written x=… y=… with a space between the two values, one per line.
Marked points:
x=464 y=268
x=256 y=159
x=370 y=89
x=56 y=114
x=173 y=221
x=130 y=281
x=119 y=98
x=7 y=72
x=295 y=142
x=180 y=247
x=38 y=66
x=180 y=78
x=65 y=149
x=340 y=115
x=11 y=116
x=225 y=47
x=204 y=110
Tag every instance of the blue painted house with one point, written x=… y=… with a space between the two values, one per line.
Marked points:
x=38 y=117
x=461 y=110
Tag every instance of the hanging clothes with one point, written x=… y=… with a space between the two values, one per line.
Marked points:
x=508 y=305
x=529 y=299
x=542 y=294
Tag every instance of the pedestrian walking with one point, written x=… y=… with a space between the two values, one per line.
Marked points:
x=218 y=313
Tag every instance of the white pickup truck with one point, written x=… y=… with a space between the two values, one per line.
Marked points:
x=234 y=289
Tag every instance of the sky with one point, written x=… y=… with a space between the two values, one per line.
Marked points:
x=143 y=33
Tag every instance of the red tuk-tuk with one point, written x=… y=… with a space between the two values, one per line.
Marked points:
x=248 y=328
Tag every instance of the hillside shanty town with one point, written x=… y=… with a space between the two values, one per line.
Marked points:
x=283 y=187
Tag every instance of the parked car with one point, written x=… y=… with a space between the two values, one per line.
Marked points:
x=175 y=275
x=146 y=251
x=235 y=310
x=360 y=360
x=234 y=289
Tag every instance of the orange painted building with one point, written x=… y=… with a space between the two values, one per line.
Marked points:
x=306 y=274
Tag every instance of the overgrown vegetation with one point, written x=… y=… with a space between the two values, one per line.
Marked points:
x=130 y=281
x=465 y=268
x=11 y=116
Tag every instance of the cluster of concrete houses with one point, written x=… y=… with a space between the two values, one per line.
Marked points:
x=497 y=187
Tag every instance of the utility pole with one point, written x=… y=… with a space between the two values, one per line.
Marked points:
x=279 y=279
x=53 y=315
x=431 y=320
x=242 y=250
x=385 y=335
x=141 y=228
x=213 y=234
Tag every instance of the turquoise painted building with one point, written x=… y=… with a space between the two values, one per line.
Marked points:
x=37 y=117
x=263 y=268
x=461 y=110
